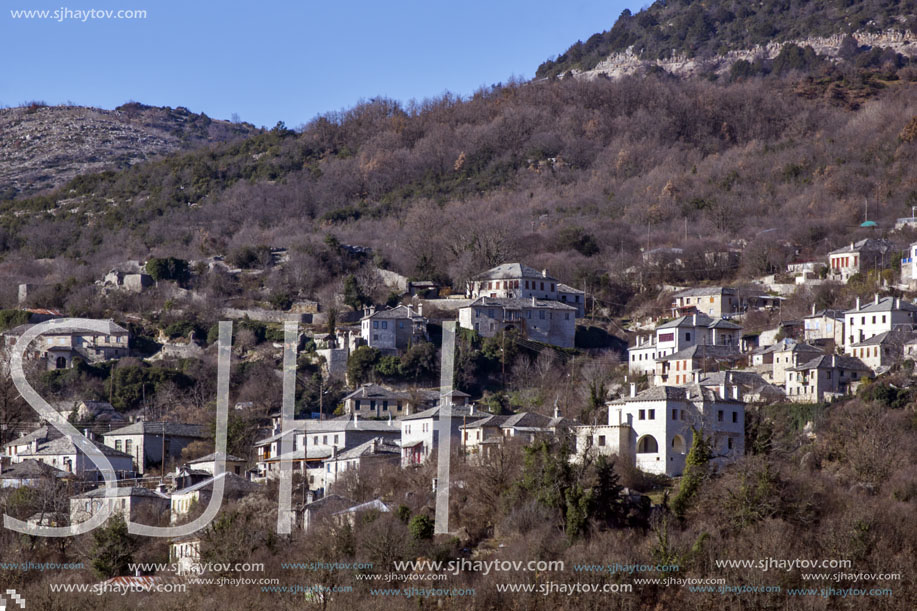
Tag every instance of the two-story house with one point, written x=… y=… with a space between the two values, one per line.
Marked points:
x=824 y=377
x=136 y=504
x=654 y=428
x=858 y=257
x=677 y=335
x=375 y=401
x=871 y=318
x=49 y=446
x=57 y=347
x=148 y=442
x=393 y=330
x=824 y=325
x=518 y=281
x=420 y=432
x=545 y=321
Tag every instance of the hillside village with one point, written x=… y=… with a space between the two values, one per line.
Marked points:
x=642 y=328
x=692 y=369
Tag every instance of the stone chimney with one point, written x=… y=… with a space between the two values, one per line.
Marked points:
x=533 y=301
x=736 y=394
x=334 y=451
x=471 y=410
x=556 y=411
x=723 y=390
x=633 y=389
x=877 y=299
x=858 y=303
x=356 y=420
x=544 y=273
x=420 y=309
x=813 y=309
x=375 y=445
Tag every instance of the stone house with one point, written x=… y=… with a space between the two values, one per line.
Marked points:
x=135 y=503
x=545 y=321
x=858 y=257
x=824 y=377
x=146 y=441
x=393 y=330
x=878 y=316
x=654 y=428
x=58 y=347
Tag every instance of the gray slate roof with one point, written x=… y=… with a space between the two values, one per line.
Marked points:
x=885 y=304
x=518 y=303
x=512 y=270
x=172 y=429
x=831 y=362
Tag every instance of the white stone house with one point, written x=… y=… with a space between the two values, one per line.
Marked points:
x=878 y=316
x=58 y=347
x=680 y=368
x=881 y=351
x=518 y=281
x=420 y=432
x=47 y=445
x=376 y=453
x=545 y=321
x=232 y=464
x=858 y=257
x=375 y=401
x=654 y=428
x=146 y=441
x=824 y=325
x=393 y=330
x=185 y=553
x=676 y=335
x=134 y=503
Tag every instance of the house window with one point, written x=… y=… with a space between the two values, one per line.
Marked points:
x=385 y=324
x=385 y=406
x=401 y=324
x=324 y=440
x=652 y=414
x=729 y=443
x=541 y=314
x=641 y=415
x=687 y=337
x=719 y=415
x=674 y=414
x=128 y=445
x=567 y=316
x=335 y=440
x=601 y=440
x=375 y=324
x=118 y=445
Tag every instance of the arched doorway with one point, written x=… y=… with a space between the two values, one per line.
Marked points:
x=60 y=363
x=647 y=445
x=678 y=444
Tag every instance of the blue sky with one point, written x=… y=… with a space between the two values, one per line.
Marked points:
x=283 y=60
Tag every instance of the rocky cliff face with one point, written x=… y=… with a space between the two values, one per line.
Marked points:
x=42 y=147
x=627 y=63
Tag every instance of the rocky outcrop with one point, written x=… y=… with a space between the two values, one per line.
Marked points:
x=628 y=62
x=42 y=147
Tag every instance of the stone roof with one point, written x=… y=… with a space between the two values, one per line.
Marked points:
x=566 y=288
x=885 y=304
x=30 y=469
x=519 y=303
x=689 y=320
x=834 y=314
x=64 y=327
x=433 y=412
x=833 y=361
x=213 y=457
x=40 y=434
x=377 y=446
x=513 y=270
x=233 y=483
x=887 y=337
x=704 y=291
x=121 y=492
x=375 y=391
x=172 y=429
x=690 y=392
x=704 y=351
x=398 y=312
x=861 y=245
x=64 y=446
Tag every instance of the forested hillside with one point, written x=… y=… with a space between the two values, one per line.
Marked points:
x=575 y=176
